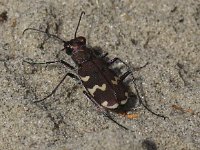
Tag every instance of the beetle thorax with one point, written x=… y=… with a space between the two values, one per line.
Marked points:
x=81 y=55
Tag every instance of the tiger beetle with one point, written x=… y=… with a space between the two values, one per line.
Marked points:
x=102 y=85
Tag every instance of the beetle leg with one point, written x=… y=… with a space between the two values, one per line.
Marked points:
x=54 y=90
x=118 y=59
x=125 y=75
x=144 y=105
x=137 y=91
x=103 y=111
x=67 y=64
x=138 y=68
x=51 y=62
x=104 y=55
x=34 y=63
x=91 y=99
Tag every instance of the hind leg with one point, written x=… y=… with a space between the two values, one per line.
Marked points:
x=102 y=110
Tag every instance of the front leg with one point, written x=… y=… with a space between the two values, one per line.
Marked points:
x=52 y=62
x=112 y=61
x=103 y=110
x=54 y=90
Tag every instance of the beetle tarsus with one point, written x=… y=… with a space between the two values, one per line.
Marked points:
x=140 y=100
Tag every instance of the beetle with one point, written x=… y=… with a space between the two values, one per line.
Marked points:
x=102 y=85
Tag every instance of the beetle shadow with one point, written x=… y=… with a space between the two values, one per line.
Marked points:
x=98 y=52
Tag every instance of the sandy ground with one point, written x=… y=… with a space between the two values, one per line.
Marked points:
x=165 y=33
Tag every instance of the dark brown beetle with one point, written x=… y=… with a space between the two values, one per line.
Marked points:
x=102 y=85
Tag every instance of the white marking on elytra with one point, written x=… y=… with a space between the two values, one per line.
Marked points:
x=92 y=90
x=85 y=79
x=105 y=104
x=124 y=101
x=115 y=81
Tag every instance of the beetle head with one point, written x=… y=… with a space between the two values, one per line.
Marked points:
x=74 y=45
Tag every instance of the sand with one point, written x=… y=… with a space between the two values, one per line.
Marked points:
x=165 y=33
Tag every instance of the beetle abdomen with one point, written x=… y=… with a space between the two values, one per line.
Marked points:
x=103 y=84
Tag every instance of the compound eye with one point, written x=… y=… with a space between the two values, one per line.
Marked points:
x=69 y=50
x=67 y=46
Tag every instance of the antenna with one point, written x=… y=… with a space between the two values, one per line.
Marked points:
x=82 y=13
x=48 y=34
